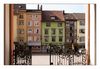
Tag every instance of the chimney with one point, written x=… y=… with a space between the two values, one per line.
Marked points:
x=41 y=7
x=38 y=7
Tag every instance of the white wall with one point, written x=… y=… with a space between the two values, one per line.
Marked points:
x=40 y=60
x=92 y=32
x=78 y=32
x=7 y=35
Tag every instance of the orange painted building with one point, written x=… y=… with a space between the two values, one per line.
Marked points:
x=28 y=26
x=33 y=20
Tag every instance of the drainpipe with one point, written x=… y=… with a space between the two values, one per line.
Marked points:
x=88 y=51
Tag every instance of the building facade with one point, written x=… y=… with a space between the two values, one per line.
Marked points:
x=53 y=30
x=70 y=28
x=17 y=8
x=28 y=26
x=19 y=22
x=39 y=28
x=75 y=29
x=33 y=20
x=80 y=29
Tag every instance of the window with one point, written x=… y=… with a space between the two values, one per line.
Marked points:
x=48 y=24
x=82 y=22
x=53 y=38
x=71 y=23
x=53 y=31
x=21 y=16
x=36 y=23
x=30 y=23
x=20 y=6
x=67 y=40
x=36 y=30
x=82 y=31
x=59 y=24
x=30 y=30
x=71 y=34
x=60 y=38
x=71 y=28
x=36 y=38
x=60 y=31
x=21 y=22
x=53 y=17
x=20 y=39
x=82 y=39
x=67 y=23
x=46 y=31
x=20 y=31
x=46 y=38
x=34 y=17
x=30 y=39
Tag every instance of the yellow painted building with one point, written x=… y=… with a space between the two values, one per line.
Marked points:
x=80 y=32
x=21 y=26
x=80 y=29
x=75 y=28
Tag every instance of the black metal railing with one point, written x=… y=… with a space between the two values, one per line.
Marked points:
x=22 y=54
x=66 y=56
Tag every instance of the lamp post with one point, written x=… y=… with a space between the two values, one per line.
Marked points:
x=51 y=63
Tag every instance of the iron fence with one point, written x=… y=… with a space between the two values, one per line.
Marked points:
x=63 y=56
x=22 y=54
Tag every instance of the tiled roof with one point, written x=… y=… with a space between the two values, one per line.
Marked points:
x=46 y=15
x=69 y=16
x=75 y=16
x=33 y=11
x=18 y=7
x=79 y=15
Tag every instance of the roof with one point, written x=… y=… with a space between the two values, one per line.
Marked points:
x=74 y=16
x=18 y=7
x=69 y=16
x=79 y=15
x=33 y=11
x=46 y=15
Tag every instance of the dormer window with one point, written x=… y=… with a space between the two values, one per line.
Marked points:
x=53 y=17
x=20 y=6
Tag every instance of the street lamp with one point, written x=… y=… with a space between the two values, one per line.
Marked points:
x=51 y=63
